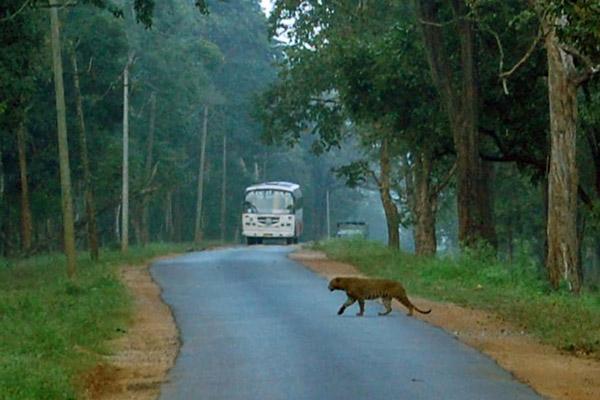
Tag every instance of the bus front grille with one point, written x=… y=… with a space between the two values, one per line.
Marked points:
x=268 y=221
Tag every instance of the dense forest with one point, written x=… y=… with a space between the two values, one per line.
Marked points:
x=475 y=123
x=191 y=78
x=490 y=106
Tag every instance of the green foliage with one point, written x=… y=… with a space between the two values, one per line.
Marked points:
x=515 y=292
x=185 y=60
x=355 y=174
x=512 y=134
x=356 y=71
x=578 y=26
x=144 y=9
x=22 y=39
x=517 y=211
x=52 y=329
x=363 y=65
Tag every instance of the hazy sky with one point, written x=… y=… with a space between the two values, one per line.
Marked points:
x=266 y=6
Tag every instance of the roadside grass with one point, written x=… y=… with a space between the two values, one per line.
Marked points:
x=516 y=293
x=52 y=329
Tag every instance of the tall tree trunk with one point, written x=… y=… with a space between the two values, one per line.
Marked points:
x=544 y=234
x=328 y=214
x=580 y=245
x=594 y=147
x=169 y=216
x=137 y=226
x=596 y=259
x=509 y=242
x=63 y=146
x=424 y=207
x=2 y=208
x=177 y=217
x=145 y=228
x=486 y=202
x=461 y=104
x=198 y=233
x=466 y=140
x=125 y=185
x=118 y=223
x=1 y=176
x=26 y=220
x=562 y=259
x=90 y=206
x=318 y=178
x=224 y=190
x=389 y=207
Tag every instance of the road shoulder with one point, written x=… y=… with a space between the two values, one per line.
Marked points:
x=548 y=371
x=142 y=357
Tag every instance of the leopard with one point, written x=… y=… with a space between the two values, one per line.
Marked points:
x=361 y=289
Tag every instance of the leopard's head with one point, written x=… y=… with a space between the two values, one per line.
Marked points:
x=334 y=284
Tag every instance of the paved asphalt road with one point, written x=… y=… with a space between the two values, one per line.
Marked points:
x=256 y=325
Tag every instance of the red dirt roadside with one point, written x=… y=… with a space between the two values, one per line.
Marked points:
x=551 y=373
x=141 y=357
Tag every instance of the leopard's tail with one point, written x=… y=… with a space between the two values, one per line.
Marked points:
x=404 y=300
x=422 y=311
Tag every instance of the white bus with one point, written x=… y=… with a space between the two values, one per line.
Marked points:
x=272 y=210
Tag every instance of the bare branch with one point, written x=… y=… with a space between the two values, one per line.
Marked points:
x=436 y=24
x=446 y=23
x=590 y=68
x=585 y=198
x=501 y=50
x=494 y=135
x=140 y=112
x=507 y=155
x=504 y=75
x=131 y=60
x=111 y=87
x=90 y=64
x=12 y=16
x=444 y=182
x=375 y=178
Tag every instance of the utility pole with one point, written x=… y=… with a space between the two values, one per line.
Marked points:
x=198 y=234
x=224 y=190
x=125 y=193
x=328 y=216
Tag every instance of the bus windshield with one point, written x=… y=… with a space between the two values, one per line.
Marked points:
x=269 y=202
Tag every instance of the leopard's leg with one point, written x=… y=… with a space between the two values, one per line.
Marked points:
x=404 y=300
x=348 y=303
x=387 y=303
x=361 y=304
